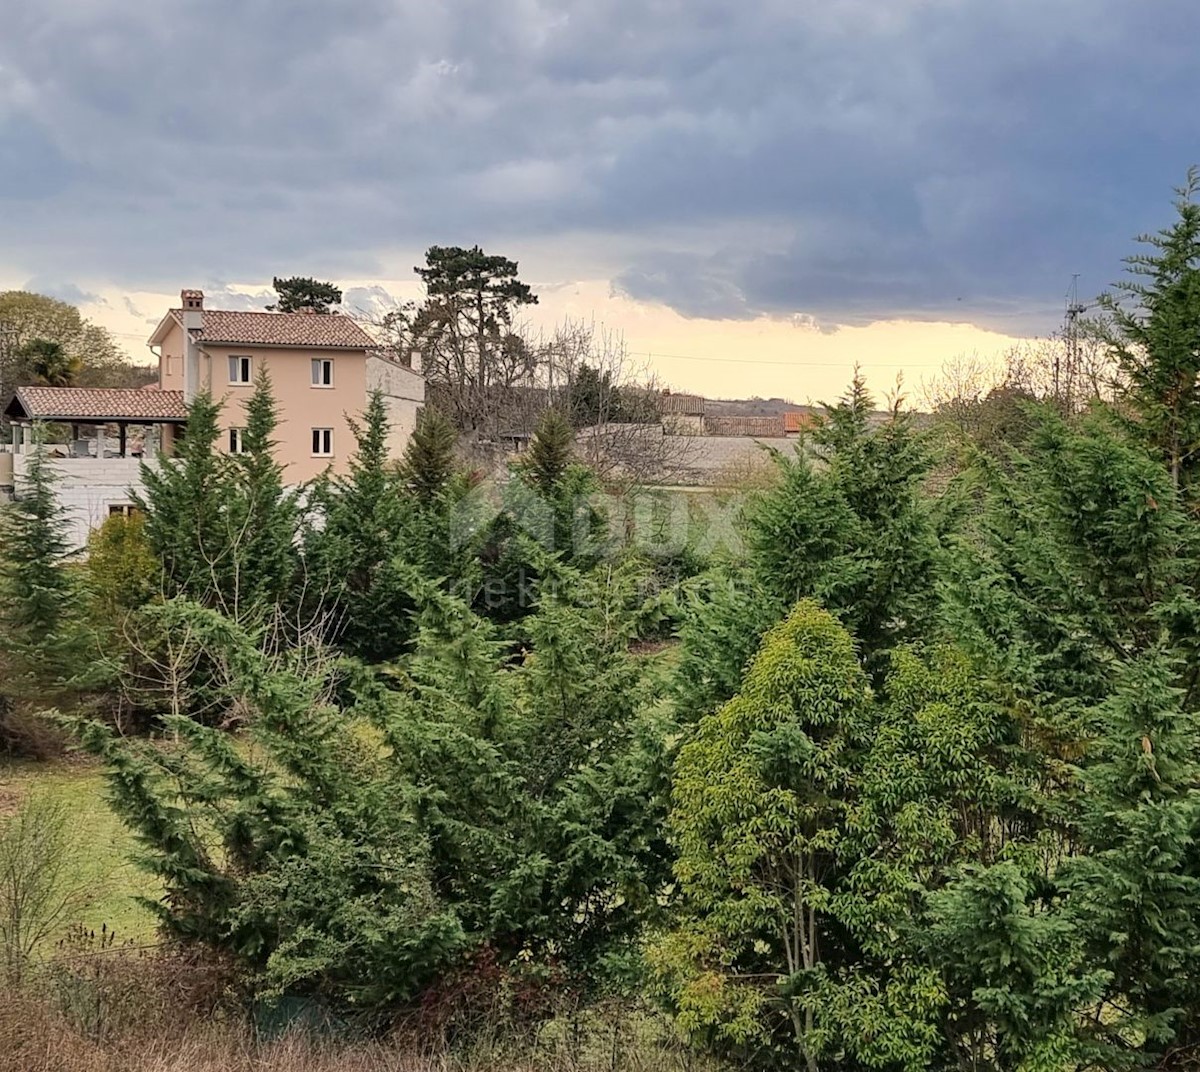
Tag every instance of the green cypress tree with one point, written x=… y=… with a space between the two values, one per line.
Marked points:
x=429 y=464
x=847 y=524
x=549 y=454
x=186 y=500
x=263 y=517
x=40 y=637
x=1156 y=336
x=1078 y=552
x=352 y=557
x=1138 y=882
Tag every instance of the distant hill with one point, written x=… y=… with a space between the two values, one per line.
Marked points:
x=751 y=407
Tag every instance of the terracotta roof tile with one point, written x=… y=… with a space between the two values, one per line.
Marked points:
x=96 y=404
x=743 y=426
x=684 y=405
x=797 y=420
x=314 y=330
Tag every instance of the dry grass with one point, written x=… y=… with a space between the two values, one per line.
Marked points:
x=33 y=1038
x=112 y=1011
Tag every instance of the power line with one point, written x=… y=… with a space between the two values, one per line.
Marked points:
x=786 y=363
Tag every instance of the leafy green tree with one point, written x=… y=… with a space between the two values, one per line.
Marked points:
x=944 y=781
x=758 y=814
x=122 y=573
x=50 y=363
x=464 y=330
x=846 y=523
x=1156 y=336
x=299 y=293
x=1137 y=881
x=89 y=351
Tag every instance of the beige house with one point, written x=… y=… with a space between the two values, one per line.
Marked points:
x=322 y=369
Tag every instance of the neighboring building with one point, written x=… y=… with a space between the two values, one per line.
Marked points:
x=322 y=368
x=96 y=470
x=681 y=414
x=796 y=422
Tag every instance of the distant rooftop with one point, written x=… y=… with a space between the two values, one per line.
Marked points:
x=683 y=405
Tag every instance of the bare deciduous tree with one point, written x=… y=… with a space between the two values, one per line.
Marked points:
x=38 y=891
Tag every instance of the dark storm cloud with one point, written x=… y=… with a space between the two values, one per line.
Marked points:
x=850 y=161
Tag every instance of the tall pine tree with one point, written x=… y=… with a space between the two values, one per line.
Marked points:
x=1156 y=338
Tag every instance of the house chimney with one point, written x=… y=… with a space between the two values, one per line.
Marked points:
x=191 y=303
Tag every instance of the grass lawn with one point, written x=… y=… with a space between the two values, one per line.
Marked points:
x=102 y=846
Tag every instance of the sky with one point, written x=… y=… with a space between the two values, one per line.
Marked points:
x=754 y=195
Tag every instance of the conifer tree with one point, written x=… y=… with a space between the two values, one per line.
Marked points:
x=549 y=453
x=1156 y=337
x=352 y=557
x=429 y=464
x=845 y=524
x=1138 y=881
x=298 y=293
x=262 y=521
x=40 y=639
x=186 y=501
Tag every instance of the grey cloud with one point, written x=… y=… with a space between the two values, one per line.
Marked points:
x=67 y=292
x=369 y=303
x=919 y=158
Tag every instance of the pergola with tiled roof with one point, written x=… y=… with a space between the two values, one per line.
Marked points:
x=96 y=406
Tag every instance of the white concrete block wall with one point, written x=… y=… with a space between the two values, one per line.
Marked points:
x=87 y=487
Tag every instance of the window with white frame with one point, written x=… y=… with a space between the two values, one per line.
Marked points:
x=237 y=440
x=322 y=442
x=125 y=510
x=322 y=372
x=239 y=369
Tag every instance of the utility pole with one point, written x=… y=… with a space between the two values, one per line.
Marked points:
x=1074 y=310
x=8 y=346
